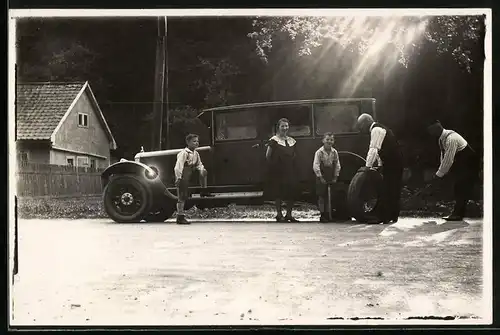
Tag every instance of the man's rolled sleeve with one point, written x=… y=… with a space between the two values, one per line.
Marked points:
x=376 y=140
x=448 y=157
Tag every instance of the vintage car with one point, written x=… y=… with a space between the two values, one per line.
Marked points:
x=143 y=190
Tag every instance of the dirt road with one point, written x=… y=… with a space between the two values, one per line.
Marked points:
x=99 y=272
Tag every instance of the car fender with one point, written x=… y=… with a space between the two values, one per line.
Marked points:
x=135 y=168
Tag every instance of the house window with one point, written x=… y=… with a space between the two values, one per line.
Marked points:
x=70 y=161
x=83 y=120
x=92 y=163
x=82 y=161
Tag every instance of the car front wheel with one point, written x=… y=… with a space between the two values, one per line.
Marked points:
x=126 y=199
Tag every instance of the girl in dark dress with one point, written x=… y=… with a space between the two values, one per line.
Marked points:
x=282 y=180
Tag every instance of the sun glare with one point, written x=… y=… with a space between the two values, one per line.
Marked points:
x=382 y=42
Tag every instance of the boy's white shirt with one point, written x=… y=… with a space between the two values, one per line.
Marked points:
x=317 y=161
x=192 y=157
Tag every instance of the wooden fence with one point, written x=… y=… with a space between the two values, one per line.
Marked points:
x=43 y=180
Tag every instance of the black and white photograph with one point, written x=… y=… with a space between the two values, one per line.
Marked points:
x=250 y=167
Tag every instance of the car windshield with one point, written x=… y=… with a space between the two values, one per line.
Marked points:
x=335 y=118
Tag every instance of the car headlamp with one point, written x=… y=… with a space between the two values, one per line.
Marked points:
x=152 y=172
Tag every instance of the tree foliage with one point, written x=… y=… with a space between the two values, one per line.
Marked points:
x=217 y=76
x=67 y=62
x=455 y=34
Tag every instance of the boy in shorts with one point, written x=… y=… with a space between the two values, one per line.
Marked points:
x=326 y=167
x=188 y=162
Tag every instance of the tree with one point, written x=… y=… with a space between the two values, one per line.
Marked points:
x=69 y=61
x=217 y=77
x=372 y=35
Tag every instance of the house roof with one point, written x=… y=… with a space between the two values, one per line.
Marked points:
x=42 y=107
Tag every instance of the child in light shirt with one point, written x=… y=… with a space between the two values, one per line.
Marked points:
x=326 y=167
x=188 y=162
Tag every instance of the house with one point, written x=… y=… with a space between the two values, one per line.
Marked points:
x=61 y=124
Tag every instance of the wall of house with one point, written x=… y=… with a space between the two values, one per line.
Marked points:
x=58 y=157
x=91 y=139
x=37 y=153
x=40 y=156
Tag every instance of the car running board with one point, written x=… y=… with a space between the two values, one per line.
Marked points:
x=230 y=195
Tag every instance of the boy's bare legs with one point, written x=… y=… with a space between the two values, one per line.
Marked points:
x=289 y=208
x=204 y=183
x=279 y=212
x=181 y=196
x=321 y=204
x=322 y=209
x=180 y=207
x=203 y=178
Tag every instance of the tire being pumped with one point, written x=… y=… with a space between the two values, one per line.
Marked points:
x=363 y=195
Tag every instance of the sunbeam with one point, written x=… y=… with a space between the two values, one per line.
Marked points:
x=381 y=43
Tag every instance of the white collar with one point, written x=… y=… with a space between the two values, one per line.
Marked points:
x=291 y=141
x=325 y=151
x=189 y=150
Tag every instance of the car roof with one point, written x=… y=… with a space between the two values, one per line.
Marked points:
x=280 y=103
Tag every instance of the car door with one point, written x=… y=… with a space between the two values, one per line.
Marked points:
x=239 y=152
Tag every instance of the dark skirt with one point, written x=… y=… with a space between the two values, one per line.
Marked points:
x=281 y=183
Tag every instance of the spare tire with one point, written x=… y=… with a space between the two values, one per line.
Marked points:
x=363 y=195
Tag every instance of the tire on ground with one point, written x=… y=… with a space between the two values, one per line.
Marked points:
x=163 y=213
x=364 y=186
x=143 y=192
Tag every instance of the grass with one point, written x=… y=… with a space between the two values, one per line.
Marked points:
x=91 y=208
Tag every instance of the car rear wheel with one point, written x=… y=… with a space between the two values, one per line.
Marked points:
x=363 y=195
x=126 y=199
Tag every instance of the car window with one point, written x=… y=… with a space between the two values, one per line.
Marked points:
x=237 y=125
x=299 y=117
x=335 y=118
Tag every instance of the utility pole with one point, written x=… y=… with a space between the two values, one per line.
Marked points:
x=160 y=70
x=166 y=109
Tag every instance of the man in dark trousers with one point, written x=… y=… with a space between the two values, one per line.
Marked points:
x=384 y=146
x=460 y=161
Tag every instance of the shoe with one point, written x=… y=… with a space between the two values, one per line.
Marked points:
x=323 y=218
x=280 y=218
x=394 y=220
x=291 y=219
x=181 y=219
x=454 y=218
